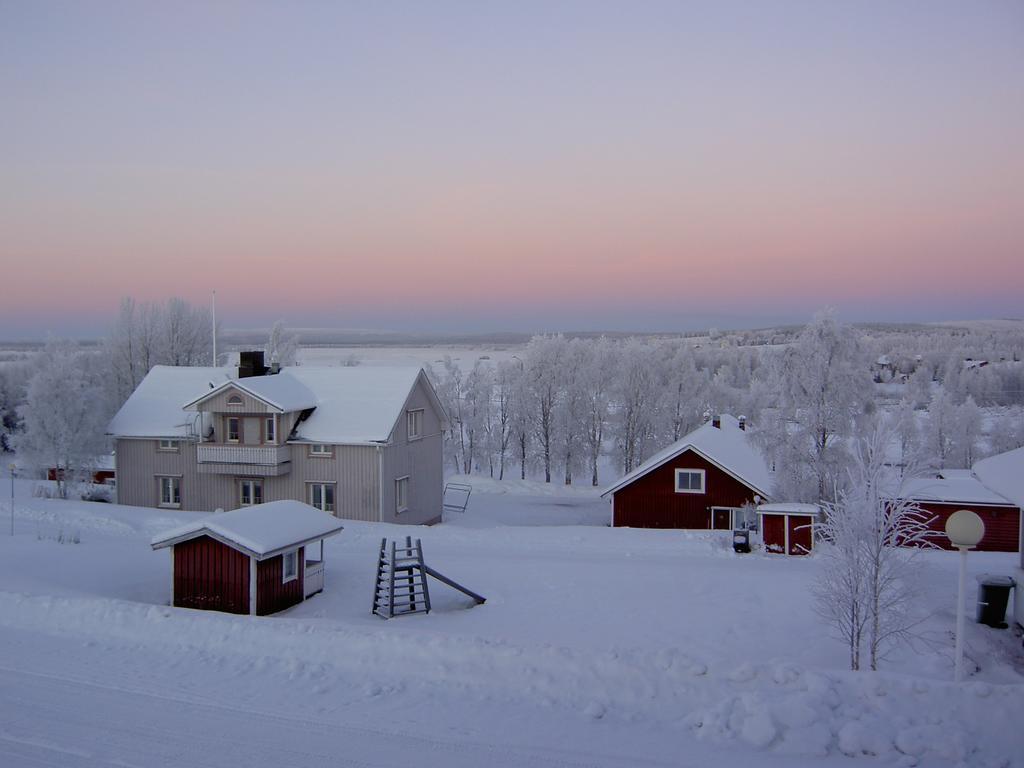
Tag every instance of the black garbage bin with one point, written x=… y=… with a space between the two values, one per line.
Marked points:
x=741 y=540
x=993 y=596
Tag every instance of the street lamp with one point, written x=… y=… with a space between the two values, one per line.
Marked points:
x=964 y=529
x=11 y=467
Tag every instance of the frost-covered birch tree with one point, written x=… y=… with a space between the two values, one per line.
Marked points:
x=282 y=346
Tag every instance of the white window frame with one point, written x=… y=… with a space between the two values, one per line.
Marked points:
x=227 y=429
x=321 y=450
x=401 y=495
x=174 y=483
x=236 y=400
x=323 y=496
x=699 y=472
x=168 y=446
x=292 y=557
x=270 y=429
x=414 y=424
x=253 y=483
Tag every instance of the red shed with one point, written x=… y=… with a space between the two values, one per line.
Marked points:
x=701 y=481
x=953 y=489
x=253 y=560
x=788 y=529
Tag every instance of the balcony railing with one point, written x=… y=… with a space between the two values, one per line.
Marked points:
x=244 y=459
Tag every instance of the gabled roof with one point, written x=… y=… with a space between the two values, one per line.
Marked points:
x=350 y=405
x=154 y=408
x=728 y=447
x=952 y=487
x=262 y=531
x=282 y=392
x=1004 y=474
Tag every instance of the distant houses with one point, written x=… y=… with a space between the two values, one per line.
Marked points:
x=363 y=443
x=702 y=481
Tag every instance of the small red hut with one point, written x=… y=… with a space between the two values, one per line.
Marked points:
x=253 y=560
x=788 y=529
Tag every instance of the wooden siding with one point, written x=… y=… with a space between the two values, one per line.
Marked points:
x=773 y=533
x=353 y=469
x=1002 y=525
x=651 y=501
x=421 y=460
x=273 y=596
x=801 y=534
x=211 y=576
x=219 y=403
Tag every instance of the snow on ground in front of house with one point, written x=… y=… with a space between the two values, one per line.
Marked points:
x=596 y=647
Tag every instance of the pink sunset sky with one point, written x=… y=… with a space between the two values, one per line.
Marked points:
x=521 y=166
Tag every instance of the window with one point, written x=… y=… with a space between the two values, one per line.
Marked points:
x=401 y=495
x=320 y=449
x=321 y=496
x=233 y=429
x=168 y=445
x=414 y=423
x=270 y=430
x=235 y=400
x=250 y=492
x=289 y=566
x=170 y=491
x=689 y=481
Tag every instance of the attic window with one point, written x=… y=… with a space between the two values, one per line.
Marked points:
x=414 y=423
x=689 y=481
x=235 y=400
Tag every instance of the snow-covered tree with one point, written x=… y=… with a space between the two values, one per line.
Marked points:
x=597 y=381
x=940 y=431
x=63 y=418
x=282 y=346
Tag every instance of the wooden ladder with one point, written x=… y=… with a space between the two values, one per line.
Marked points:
x=401 y=580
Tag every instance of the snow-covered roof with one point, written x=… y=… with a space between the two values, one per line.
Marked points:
x=953 y=488
x=261 y=530
x=726 y=446
x=1004 y=474
x=154 y=408
x=788 y=508
x=350 y=404
x=282 y=391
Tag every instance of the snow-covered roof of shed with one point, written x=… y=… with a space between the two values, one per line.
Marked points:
x=952 y=488
x=1004 y=474
x=261 y=530
x=788 y=508
x=727 y=446
x=154 y=408
x=281 y=391
x=351 y=404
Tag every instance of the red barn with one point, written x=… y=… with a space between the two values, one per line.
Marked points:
x=788 y=528
x=253 y=560
x=701 y=481
x=954 y=489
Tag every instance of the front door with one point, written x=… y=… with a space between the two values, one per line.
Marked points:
x=721 y=519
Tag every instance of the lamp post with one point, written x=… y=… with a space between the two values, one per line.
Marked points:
x=11 y=467
x=964 y=529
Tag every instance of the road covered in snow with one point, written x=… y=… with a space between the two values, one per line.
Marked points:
x=596 y=647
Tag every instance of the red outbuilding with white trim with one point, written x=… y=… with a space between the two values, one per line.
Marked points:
x=701 y=481
x=788 y=528
x=256 y=560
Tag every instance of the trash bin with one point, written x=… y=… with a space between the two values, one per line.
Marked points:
x=741 y=540
x=993 y=595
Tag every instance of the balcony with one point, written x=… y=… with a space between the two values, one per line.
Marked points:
x=254 y=460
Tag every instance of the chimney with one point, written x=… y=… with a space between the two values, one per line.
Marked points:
x=743 y=422
x=716 y=422
x=251 y=364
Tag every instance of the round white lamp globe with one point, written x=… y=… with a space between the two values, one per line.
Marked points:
x=964 y=528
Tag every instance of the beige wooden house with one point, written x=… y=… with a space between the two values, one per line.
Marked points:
x=363 y=443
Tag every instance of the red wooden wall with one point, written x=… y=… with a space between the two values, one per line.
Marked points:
x=210 y=576
x=801 y=535
x=1002 y=525
x=273 y=596
x=773 y=533
x=651 y=501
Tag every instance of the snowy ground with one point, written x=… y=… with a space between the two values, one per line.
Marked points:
x=596 y=647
